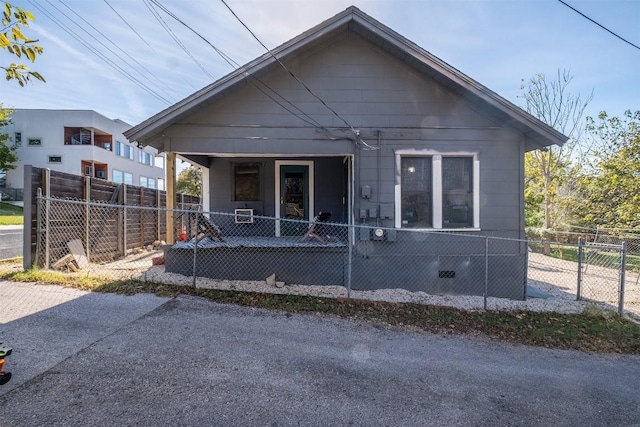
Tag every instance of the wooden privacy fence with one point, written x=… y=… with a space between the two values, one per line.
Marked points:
x=106 y=233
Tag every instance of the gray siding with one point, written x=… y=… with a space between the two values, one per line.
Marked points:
x=375 y=93
x=328 y=178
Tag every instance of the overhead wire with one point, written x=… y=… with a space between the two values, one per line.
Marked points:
x=599 y=25
x=142 y=67
x=142 y=38
x=358 y=138
x=309 y=119
x=176 y=38
x=109 y=62
x=129 y=25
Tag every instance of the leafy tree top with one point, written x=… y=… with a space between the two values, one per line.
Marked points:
x=14 y=41
x=189 y=182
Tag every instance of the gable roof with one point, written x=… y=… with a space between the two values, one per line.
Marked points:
x=353 y=19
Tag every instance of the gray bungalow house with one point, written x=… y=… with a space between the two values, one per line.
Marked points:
x=361 y=122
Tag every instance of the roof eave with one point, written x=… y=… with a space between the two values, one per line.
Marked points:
x=150 y=129
x=168 y=115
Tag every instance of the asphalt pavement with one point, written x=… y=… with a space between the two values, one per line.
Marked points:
x=110 y=360
x=11 y=237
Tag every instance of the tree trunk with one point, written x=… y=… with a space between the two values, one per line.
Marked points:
x=546 y=250
x=547 y=201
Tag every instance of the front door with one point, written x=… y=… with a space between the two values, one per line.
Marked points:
x=295 y=196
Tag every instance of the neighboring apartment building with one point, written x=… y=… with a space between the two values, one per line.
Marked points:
x=80 y=142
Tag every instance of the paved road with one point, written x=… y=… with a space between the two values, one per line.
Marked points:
x=10 y=241
x=91 y=359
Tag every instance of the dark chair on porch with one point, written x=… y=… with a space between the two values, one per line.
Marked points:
x=205 y=227
x=318 y=229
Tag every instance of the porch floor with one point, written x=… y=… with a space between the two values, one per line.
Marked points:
x=259 y=242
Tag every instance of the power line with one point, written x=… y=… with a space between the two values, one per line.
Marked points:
x=175 y=37
x=97 y=52
x=129 y=25
x=159 y=86
x=292 y=74
x=599 y=25
x=143 y=39
x=252 y=78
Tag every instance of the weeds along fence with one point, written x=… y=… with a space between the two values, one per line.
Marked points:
x=266 y=254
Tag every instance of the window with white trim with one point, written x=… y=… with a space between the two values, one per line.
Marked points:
x=457 y=192
x=118 y=176
x=439 y=191
x=124 y=150
x=416 y=192
x=145 y=158
x=128 y=178
x=143 y=181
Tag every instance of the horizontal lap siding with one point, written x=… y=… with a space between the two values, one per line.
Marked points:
x=378 y=95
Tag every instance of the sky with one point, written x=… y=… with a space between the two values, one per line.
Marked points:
x=117 y=57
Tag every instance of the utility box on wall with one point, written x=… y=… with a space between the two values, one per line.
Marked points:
x=386 y=211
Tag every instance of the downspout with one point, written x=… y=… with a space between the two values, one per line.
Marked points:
x=379 y=155
x=356 y=209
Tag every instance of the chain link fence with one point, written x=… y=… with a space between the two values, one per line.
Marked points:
x=282 y=255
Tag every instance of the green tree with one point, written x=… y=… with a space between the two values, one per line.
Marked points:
x=610 y=188
x=15 y=42
x=546 y=171
x=7 y=150
x=189 y=182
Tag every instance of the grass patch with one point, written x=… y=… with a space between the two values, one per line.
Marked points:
x=11 y=214
x=593 y=330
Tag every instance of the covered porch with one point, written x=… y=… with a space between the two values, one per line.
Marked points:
x=295 y=189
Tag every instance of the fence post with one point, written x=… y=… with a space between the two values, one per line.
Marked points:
x=39 y=226
x=47 y=219
x=623 y=267
x=195 y=248
x=486 y=270
x=349 y=259
x=87 y=216
x=124 y=220
x=580 y=253
x=158 y=236
x=526 y=267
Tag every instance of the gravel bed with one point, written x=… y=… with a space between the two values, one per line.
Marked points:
x=157 y=274
x=552 y=278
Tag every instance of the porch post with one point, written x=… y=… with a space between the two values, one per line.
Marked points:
x=171 y=197
x=205 y=190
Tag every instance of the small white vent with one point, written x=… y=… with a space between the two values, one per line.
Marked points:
x=244 y=216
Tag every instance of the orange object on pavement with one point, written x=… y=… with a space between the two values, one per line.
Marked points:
x=4 y=352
